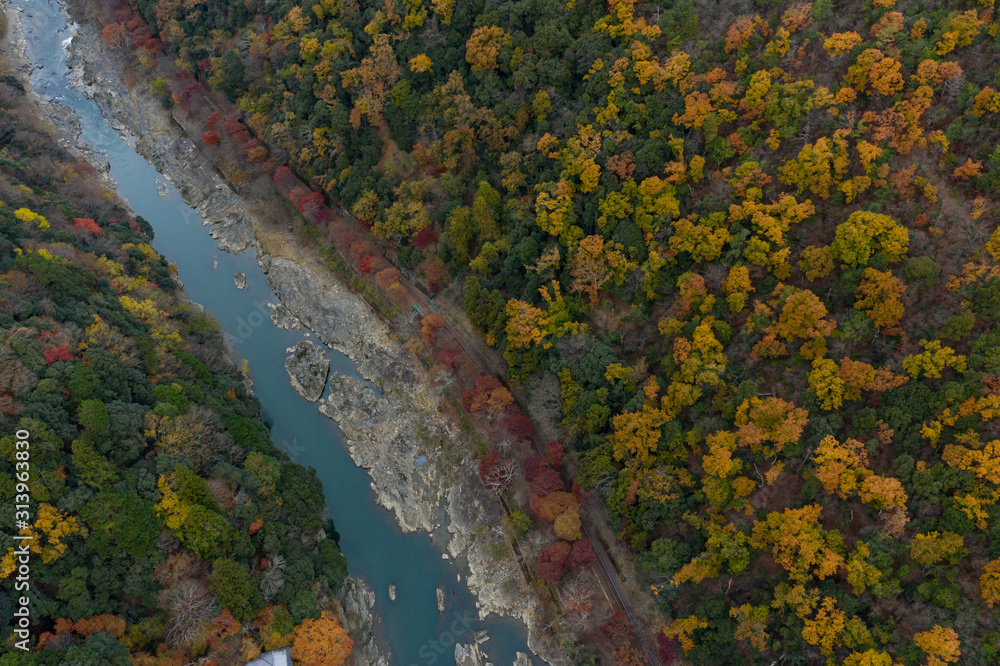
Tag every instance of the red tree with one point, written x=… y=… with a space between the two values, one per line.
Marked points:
x=193 y=88
x=60 y=353
x=555 y=451
x=311 y=204
x=552 y=561
x=581 y=555
x=366 y=264
x=582 y=496
x=154 y=46
x=237 y=130
x=387 y=278
x=517 y=425
x=496 y=472
x=210 y=138
x=346 y=239
x=621 y=634
x=88 y=225
x=249 y=145
x=114 y=35
x=668 y=649
x=547 y=481
x=532 y=467
x=424 y=238
x=448 y=357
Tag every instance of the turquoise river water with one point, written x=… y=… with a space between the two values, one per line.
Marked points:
x=411 y=627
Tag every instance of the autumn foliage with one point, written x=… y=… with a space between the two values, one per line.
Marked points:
x=738 y=262
x=321 y=642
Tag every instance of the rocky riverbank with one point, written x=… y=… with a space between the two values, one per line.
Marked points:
x=418 y=460
x=63 y=120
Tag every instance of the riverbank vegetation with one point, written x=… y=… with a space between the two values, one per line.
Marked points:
x=742 y=257
x=165 y=526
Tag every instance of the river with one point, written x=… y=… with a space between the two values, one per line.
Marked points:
x=376 y=548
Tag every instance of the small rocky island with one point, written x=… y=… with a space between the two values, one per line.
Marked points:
x=308 y=369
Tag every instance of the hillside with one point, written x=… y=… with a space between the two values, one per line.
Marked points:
x=741 y=258
x=163 y=524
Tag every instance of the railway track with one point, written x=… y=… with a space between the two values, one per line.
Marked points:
x=608 y=576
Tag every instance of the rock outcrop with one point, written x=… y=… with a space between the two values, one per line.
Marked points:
x=469 y=655
x=358 y=603
x=308 y=369
x=283 y=318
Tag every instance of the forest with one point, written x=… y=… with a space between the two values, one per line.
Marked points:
x=741 y=257
x=165 y=528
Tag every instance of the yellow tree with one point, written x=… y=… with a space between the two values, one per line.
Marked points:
x=884 y=493
x=933 y=360
x=869 y=658
x=737 y=287
x=941 y=645
x=524 y=324
x=798 y=543
x=48 y=537
x=637 y=433
x=803 y=315
x=840 y=467
x=878 y=297
x=482 y=50
x=825 y=630
x=595 y=263
x=769 y=420
x=701 y=361
x=656 y=199
x=819 y=166
x=768 y=245
x=421 y=63
x=703 y=241
x=863 y=234
x=28 y=216
x=751 y=625
x=816 y=262
x=989 y=583
x=554 y=211
x=372 y=80
x=528 y=325
x=682 y=628
x=860 y=574
x=719 y=466
x=321 y=642
x=983 y=462
x=962 y=29
x=840 y=43
x=825 y=380
x=935 y=547
x=875 y=70
x=590 y=270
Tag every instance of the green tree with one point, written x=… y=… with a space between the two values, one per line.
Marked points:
x=93 y=415
x=232 y=76
x=121 y=522
x=235 y=589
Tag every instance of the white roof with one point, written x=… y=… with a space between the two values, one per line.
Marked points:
x=275 y=658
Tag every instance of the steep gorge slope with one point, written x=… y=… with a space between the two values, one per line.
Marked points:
x=741 y=256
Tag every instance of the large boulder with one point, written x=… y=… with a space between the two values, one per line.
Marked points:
x=469 y=655
x=308 y=368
